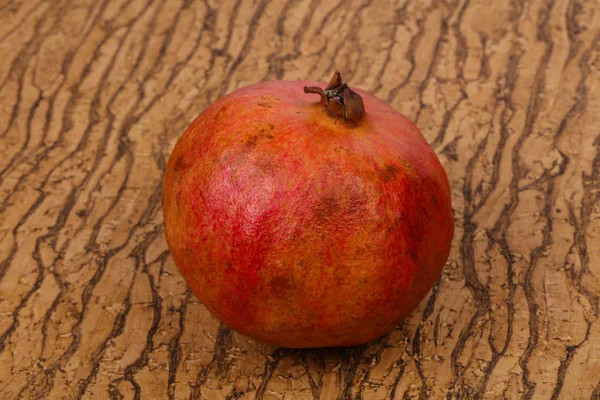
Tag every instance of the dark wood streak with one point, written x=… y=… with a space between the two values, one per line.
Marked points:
x=21 y=22
x=350 y=39
x=218 y=363
x=399 y=19
x=175 y=346
x=425 y=391
x=19 y=67
x=52 y=233
x=142 y=360
x=351 y=359
x=579 y=242
x=253 y=23
x=497 y=235
x=596 y=393
x=102 y=261
x=532 y=113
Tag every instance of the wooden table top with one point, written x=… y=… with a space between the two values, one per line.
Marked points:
x=94 y=94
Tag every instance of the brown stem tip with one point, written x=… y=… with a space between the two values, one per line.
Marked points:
x=339 y=100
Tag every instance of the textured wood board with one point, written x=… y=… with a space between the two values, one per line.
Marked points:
x=93 y=95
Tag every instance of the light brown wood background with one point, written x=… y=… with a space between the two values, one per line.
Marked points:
x=94 y=93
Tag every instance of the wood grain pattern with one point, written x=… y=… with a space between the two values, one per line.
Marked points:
x=93 y=95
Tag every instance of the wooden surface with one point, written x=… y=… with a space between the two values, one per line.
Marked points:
x=93 y=95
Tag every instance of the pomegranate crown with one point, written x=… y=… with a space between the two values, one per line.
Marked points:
x=339 y=100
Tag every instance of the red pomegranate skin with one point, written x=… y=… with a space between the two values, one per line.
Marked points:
x=301 y=230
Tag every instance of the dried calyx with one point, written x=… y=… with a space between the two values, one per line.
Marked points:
x=339 y=100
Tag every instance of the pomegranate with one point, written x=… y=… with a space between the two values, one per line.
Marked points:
x=306 y=224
